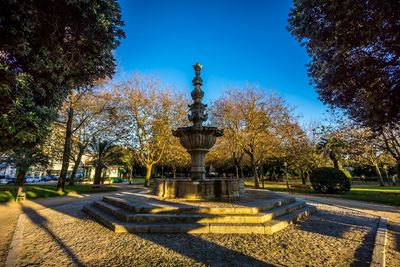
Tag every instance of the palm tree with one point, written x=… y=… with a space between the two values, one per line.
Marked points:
x=332 y=146
x=104 y=153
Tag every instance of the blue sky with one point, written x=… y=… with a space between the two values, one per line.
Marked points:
x=237 y=41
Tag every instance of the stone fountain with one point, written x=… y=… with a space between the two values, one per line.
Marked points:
x=198 y=140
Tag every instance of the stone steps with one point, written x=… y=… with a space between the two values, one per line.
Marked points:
x=234 y=218
x=171 y=207
x=269 y=227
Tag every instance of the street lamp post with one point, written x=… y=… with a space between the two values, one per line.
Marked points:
x=286 y=175
x=385 y=167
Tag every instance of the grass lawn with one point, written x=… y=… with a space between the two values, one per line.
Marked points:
x=7 y=192
x=372 y=193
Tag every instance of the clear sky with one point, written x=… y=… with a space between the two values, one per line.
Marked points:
x=237 y=41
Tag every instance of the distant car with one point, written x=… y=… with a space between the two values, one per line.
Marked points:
x=3 y=179
x=46 y=178
x=11 y=180
x=29 y=179
x=37 y=179
x=212 y=174
x=53 y=177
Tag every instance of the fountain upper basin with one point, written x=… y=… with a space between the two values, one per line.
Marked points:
x=198 y=137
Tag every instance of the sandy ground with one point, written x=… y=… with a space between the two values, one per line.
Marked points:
x=64 y=236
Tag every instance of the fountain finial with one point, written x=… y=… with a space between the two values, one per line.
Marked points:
x=197 y=93
x=197 y=115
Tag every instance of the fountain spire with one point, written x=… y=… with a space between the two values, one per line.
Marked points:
x=198 y=140
x=197 y=109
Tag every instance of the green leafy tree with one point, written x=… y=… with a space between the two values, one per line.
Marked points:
x=24 y=158
x=354 y=47
x=48 y=48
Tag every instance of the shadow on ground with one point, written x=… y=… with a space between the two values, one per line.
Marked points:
x=339 y=226
x=210 y=253
x=39 y=220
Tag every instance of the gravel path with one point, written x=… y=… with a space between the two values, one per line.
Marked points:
x=65 y=236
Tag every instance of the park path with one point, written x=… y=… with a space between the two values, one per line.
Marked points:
x=9 y=213
x=390 y=212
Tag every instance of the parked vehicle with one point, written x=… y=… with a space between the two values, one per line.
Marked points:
x=46 y=178
x=3 y=179
x=37 y=179
x=11 y=180
x=53 y=177
x=29 y=179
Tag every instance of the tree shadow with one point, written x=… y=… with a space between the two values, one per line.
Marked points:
x=200 y=250
x=394 y=228
x=42 y=222
x=335 y=225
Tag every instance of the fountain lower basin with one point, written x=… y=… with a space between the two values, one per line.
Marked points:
x=207 y=189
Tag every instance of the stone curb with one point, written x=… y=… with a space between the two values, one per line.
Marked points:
x=13 y=252
x=378 y=255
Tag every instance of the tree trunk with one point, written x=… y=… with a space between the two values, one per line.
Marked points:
x=76 y=165
x=174 y=171
x=255 y=171
x=20 y=177
x=103 y=176
x=67 y=151
x=303 y=176
x=237 y=171
x=97 y=174
x=378 y=171
x=148 y=175
x=335 y=162
x=303 y=179
x=241 y=173
x=256 y=178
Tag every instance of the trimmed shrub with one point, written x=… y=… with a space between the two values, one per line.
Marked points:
x=329 y=180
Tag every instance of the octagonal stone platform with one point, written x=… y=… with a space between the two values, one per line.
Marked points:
x=257 y=212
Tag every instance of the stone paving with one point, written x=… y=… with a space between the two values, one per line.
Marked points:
x=393 y=245
x=65 y=236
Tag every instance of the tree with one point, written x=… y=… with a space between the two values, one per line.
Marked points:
x=355 y=52
x=225 y=114
x=333 y=146
x=298 y=150
x=366 y=149
x=83 y=114
x=151 y=114
x=24 y=158
x=175 y=155
x=128 y=159
x=255 y=120
x=103 y=153
x=48 y=48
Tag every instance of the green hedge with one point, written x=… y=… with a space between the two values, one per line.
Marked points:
x=329 y=180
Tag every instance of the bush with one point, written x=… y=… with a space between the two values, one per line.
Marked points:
x=117 y=180
x=329 y=180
